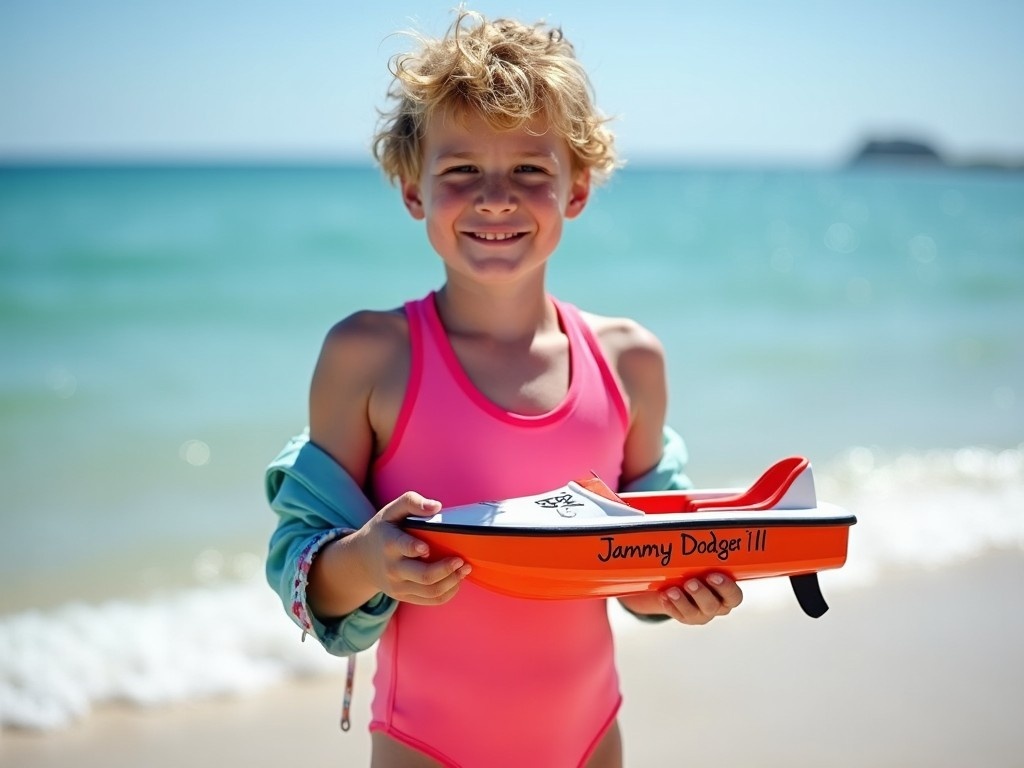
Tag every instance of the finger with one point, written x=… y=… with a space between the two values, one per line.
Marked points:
x=392 y=541
x=434 y=583
x=419 y=573
x=447 y=568
x=409 y=504
x=408 y=546
x=729 y=591
x=433 y=596
x=706 y=599
x=680 y=607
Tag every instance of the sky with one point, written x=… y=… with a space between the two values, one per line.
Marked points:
x=781 y=82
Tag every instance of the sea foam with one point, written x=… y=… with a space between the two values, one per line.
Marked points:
x=915 y=511
x=197 y=643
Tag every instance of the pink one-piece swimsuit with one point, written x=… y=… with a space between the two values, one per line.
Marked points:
x=487 y=680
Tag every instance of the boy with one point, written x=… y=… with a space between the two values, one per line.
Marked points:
x=487 y=388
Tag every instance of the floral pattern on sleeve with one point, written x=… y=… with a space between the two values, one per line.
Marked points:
x=299 y=608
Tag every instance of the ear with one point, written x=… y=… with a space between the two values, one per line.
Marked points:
x=579 y=193
x=413 y=199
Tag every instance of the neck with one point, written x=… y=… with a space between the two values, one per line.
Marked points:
x=502 y=312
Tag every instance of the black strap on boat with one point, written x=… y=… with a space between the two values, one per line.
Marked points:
x=808 y=594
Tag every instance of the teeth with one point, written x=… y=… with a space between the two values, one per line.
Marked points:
x=494 y=235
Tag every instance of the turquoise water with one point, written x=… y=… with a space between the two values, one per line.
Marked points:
x=804 y=312
x=159 y=328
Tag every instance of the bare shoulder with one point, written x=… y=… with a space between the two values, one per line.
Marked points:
x=367 y=337
x=358 y=386
x=625 y=342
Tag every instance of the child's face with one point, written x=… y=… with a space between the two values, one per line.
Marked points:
x=494 y=201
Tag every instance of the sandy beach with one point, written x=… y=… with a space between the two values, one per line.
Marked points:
x=923 y=670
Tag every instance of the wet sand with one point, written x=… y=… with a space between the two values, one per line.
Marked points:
x=924 y=669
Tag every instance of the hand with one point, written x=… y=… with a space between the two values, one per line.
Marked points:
x=698 y=602
x=394 y=560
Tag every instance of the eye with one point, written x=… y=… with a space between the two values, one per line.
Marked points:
x=530 y=169
x=460 y=169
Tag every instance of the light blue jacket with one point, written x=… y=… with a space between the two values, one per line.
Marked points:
x=317 y=501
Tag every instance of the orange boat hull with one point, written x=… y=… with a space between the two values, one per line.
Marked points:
x=583 y=540
x=616 y=562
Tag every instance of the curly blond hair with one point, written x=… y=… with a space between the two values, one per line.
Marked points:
x=503 y=70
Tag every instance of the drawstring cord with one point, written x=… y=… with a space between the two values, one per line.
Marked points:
x=346 y=702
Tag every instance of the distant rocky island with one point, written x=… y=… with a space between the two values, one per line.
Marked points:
x=919 y=154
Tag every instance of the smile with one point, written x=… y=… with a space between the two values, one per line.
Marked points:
x=495 y=235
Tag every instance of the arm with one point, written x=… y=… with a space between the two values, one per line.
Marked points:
x=337 y=563
x=638 y=359
x=317 y=502
x=355 y=396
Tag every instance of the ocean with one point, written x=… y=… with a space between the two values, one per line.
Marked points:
x=160 y=326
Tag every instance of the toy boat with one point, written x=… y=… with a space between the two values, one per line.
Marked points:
x=584 y=540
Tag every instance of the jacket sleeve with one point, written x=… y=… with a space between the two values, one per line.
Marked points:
x=316 y=502
x=669 y=474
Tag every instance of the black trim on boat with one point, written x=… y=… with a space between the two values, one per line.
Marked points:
x=590 y=530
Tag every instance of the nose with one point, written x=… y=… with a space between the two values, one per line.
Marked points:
x=496 y=196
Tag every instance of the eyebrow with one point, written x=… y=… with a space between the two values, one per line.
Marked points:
x=446 y=155
x=469 y=155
